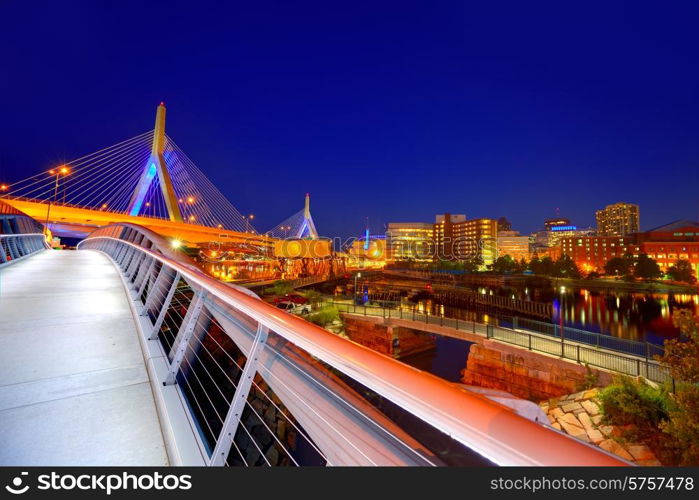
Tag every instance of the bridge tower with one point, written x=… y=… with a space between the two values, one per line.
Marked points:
x=307 y=229
x=156 y=165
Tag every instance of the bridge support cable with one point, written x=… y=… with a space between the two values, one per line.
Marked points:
x=299 y=364
x=300 y=225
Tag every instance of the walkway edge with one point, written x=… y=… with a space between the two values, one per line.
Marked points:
x=181 y=444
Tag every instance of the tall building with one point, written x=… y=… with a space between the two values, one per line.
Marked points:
x=513 y=244
x=476 y=238
x=443 y=235
x=504 y=224
x=620 y=219
x=410 y=241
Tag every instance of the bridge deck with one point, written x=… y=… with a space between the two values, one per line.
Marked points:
x=73 y=386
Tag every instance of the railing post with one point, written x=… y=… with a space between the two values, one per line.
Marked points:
x=185 y=333
x=578 y=352
x=515 y=323
x=163 y=310
x=638 y=367
x=530 y=341
x=143 y=276
x=230 y=424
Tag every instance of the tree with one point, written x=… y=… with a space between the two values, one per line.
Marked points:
x=682 y=358
x=682 y=271
x=646 y=268
x=544 y=266
x=619 y=266
x=522 y=266
x=504 y=265
x=682 y=355
x=565 y=267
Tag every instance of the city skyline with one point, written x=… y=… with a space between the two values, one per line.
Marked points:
x=483 y=118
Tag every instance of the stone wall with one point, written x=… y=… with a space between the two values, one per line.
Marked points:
x=394 y=341
x=524 y=373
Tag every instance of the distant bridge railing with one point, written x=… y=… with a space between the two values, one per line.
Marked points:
x=263 y=387
x=14 y=247
x=583 y=347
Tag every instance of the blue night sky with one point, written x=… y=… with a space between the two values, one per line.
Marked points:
x=392 y=110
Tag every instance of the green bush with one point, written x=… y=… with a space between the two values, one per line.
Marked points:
x=325 y=316
x=628 y=402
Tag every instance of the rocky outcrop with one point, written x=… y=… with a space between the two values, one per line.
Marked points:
x=579 y=415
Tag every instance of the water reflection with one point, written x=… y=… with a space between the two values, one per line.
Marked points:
x=635 y=316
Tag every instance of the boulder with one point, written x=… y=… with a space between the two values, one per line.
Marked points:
x=614 y=447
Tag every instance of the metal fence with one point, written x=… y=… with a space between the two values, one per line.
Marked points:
x=576 y=345
x=16 y=246
x=263 y=387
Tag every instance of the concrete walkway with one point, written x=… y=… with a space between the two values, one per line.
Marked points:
x=73 y=385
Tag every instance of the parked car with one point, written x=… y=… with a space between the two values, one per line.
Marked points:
x=292 y=297
x=293 y=308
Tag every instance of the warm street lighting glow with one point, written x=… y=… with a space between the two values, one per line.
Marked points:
x=104 y=205
x=175 y=243
x=191 y=217
x=4 y=187
x=190 y=199
x=148 y=203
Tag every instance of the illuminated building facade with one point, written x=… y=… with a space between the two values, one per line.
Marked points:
x=409 y=241
x=665 y=244
x=620 y=219
x=591 y=253
x=671 y=242
x=475 y=238
x=513 y=244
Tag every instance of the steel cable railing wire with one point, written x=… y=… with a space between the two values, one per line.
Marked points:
x=429 y=398
x=176 y=306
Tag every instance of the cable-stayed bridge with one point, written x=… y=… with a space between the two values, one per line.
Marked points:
x=146 y=180
x=126 y=353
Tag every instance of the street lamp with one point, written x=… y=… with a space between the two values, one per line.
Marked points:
x=286 y=231
x=248 y=218
x=358 y=275
x=63 y=170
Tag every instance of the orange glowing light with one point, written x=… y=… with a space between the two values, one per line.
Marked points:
x=104 y=205
x=64 y=170
x=4 y=187
x=148 y=203
x=190 y=199
x=191 y=217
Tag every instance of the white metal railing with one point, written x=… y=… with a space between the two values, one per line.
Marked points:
x=243 y=367
x=17 y=246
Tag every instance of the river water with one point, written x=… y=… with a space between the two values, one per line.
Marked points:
x=635 y=316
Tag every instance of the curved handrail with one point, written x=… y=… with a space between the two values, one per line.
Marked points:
x=29 y=244
x=494 y=432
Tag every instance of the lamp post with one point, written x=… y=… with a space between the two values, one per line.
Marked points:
x=58 y=172
x=286 y=231
x=562 y=322
x=248 y=218
x=358 y=275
